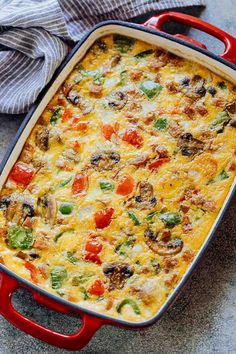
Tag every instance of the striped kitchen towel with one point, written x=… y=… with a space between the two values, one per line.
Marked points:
x=35 y=37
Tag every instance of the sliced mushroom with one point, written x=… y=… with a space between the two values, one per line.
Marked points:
x=4 y=203
x=145 y=199
x=47 y=208
x=183 y=85
x=78 y=100
x=118 y=100
x=198 y=83
x=33 y=255
x=185 y=82
x=160 y=247
x=194 y=88
x=115 y=60
x=74 y=97
x=231 y=110
x=233 y=123
x=9 y=207
x=101 y=45
x=16 y=210
x=138 y=160
x=52 y=210
x=98 y=48
x=104 y=160
x=146 y=190
x=26 y=155
x=28 y=210
x=117 y=274
x=42 y=138
x=67 y=86
x=189 y=145
x=212 y=91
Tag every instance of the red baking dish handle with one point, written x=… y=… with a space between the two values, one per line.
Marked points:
x=157 y=22
x=74 y=341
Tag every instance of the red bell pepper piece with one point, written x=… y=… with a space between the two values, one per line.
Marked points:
x=158 y=163
x=93 y=246
x=77 y=145
x=67 y=115
x=78 y=125
x=103 y=217
x=92 y=257
x=97 y=288
x=80 y=183
x=133 y=137
x=22 y=174
x=108 y=130
x=125 y=186
x=33 y=271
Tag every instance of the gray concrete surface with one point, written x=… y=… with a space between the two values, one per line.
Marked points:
x=203 y=320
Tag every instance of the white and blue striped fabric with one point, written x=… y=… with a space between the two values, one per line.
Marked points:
x=35 y=36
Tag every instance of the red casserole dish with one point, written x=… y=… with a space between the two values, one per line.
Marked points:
x=151 y=32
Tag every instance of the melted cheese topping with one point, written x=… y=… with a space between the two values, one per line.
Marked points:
x=121 y=179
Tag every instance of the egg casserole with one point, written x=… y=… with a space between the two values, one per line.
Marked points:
x=121 y=179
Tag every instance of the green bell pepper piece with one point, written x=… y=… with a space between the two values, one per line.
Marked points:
x=160 y=124
x=221 y=176
x=156 y=266
x=58 y=275
x=123 y=77
x=71 y=258
x=65 y=182
x=123 y=43
x=151 y=216
x=222 y=85
x=106 y=185
x=170 y=219
x=134 y=218
x=144 y=54
x=56 y=238
x=221 y=120
x=56 y=115
x=130 y=302
x=150 y=88
x=84 y=292
x=125 y=246
x=82 y=278
x=20 y=237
